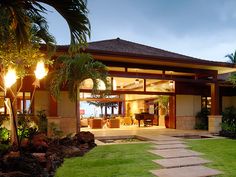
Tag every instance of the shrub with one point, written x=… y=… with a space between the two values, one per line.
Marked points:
x=26 y=126
x=4 y=133
x=229 y=120
x=202 y=119
x=42 y=122
x=4 y=136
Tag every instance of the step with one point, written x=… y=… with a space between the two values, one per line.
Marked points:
x=175 y=153
x=181 y=162
x=170 y=146
x=167 y=142
x=192 y=171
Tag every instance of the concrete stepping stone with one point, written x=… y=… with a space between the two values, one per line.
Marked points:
x=181 y=162
x=167 y=142
x=192 y=171
x=170 y=146
x=175 y=153
x=166 y=138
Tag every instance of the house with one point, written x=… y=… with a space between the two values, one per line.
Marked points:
x=140 y=73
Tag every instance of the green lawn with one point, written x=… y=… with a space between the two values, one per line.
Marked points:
x=221 y=151
x=122 y=160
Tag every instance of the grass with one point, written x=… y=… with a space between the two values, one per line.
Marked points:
x=121 y=160
x=222 y=153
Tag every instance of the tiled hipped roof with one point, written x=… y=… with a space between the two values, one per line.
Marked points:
x=126 y=47
x=120 y=47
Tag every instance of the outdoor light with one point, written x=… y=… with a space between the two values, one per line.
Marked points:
x=40 y=71
x=10 y=78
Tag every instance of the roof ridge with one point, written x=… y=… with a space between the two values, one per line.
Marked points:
x=136 y=43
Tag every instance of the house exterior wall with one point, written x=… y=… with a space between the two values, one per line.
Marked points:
x=41 y=101
x=228 y=101
x=187 y=107
x=66 y=111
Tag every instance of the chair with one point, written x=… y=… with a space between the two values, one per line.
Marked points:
x=127 y=121
x=83 y=122
x=95 y=123
x=121 y=120
x=114 y=123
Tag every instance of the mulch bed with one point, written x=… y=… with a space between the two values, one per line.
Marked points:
x=41 y=157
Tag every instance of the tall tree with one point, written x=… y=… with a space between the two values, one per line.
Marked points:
x=232 y=57
x=71 y=71
x=23 y=28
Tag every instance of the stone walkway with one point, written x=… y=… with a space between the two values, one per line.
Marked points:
x=179 y=161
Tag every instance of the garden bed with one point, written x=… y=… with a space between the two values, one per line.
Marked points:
x=121 y=139
x=42 y=157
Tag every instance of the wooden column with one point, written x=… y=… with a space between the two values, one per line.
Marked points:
x=172 y=108
x=52 y=106
x=119 y=108
x=215 y=108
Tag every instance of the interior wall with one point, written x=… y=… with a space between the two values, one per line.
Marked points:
x=187 y=107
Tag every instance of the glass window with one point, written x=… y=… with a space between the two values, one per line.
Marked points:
x=154 y=85
x=128 y=84
x=23 y=101
x=206 y=102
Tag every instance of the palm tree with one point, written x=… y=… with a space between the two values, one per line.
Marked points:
x=232 y=57
x=71 y=71
x=19 y=17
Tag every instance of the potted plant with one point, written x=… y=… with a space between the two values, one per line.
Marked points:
x=163 y=106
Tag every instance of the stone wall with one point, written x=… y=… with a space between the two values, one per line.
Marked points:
x=185 y=122
x=66 y=124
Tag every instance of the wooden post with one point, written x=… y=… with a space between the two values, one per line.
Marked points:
x=52 y=106
x=77 y=110
x=215 y=99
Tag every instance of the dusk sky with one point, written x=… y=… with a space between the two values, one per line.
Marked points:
x=200 y=28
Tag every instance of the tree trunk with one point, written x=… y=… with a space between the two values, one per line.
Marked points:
x=77 y=110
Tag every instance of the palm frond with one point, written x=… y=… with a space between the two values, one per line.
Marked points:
x=16 y=13
x=72 y=71
x=40 y=32
x=75 y=13
x=232 y=57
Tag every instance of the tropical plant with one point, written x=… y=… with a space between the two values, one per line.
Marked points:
x=42 y=121
x=23 y=28
x=232 y=57
x=27 y=127
x=229 y=119
x=163 y=102
x=71 y=71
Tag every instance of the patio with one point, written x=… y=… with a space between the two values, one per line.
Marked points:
x=151 y=132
